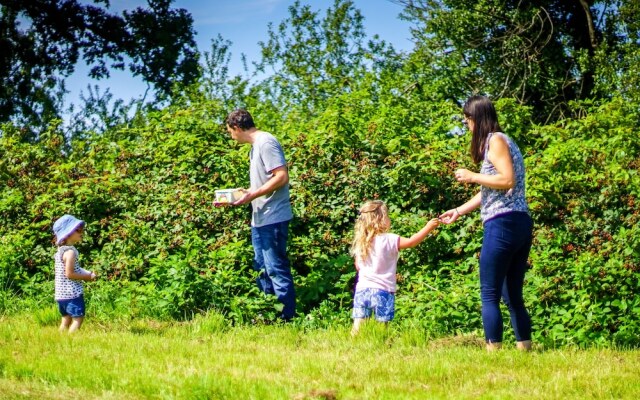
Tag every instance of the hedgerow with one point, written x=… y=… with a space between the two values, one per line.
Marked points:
x=163 y=251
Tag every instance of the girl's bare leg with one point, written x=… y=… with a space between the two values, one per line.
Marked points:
x=356 y=326
x=65 y=323
x=76 y=324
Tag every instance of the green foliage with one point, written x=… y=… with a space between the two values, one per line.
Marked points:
x=49 y=316
x=43 y=41
x=584 y=197
x=311 y=59
x=543 y=53
x=163 y=251
x=145 y=187
x=211 y=323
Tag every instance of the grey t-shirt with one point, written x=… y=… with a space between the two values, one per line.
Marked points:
x=267 y=155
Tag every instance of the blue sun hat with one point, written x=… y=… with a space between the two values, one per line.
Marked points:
x=65 y=226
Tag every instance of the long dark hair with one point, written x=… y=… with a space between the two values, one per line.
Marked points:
x=485 y=120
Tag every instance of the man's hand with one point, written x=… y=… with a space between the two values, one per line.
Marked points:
x=234 y=203
x=246 y=198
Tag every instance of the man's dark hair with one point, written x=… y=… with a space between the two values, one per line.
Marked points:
x=240 y=119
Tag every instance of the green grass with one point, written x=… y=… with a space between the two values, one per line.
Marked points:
x=207 y=359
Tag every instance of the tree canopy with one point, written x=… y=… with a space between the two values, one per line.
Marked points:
x=309 y=58
x=42 y=41
x=544 y=53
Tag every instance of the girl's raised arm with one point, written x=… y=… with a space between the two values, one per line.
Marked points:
x=416 y=238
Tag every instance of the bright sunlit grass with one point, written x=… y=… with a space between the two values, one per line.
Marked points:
x=207 y=359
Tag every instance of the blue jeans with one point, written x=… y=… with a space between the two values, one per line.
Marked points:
x=503 y=263
x=270 y=258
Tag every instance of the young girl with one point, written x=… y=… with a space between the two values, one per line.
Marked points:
x=69 y=291
x=375 y=252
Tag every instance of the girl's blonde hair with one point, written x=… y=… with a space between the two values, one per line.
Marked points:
x=372 y=221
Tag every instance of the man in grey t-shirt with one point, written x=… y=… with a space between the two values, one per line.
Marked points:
x=269 y=197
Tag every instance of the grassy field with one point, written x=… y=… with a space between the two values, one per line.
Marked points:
x=206 y=359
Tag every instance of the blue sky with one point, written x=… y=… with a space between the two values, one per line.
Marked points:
x=244 y=23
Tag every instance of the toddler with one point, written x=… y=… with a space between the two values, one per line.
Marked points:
x=69 y=291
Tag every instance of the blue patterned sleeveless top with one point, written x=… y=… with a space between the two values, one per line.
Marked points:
x=499 y=201
x=66 y=288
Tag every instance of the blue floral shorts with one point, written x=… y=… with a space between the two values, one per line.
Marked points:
x=378 y=301
x=72 y=307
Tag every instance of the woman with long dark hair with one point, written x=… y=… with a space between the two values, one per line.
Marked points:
x=505 y=216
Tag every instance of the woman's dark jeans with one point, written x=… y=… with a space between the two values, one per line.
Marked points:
x=503 y=263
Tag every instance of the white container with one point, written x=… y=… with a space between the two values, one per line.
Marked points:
x=228 y=195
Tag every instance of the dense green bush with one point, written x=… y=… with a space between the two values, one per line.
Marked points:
x=163 y=251
x=584 y=188
x=364 y=123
